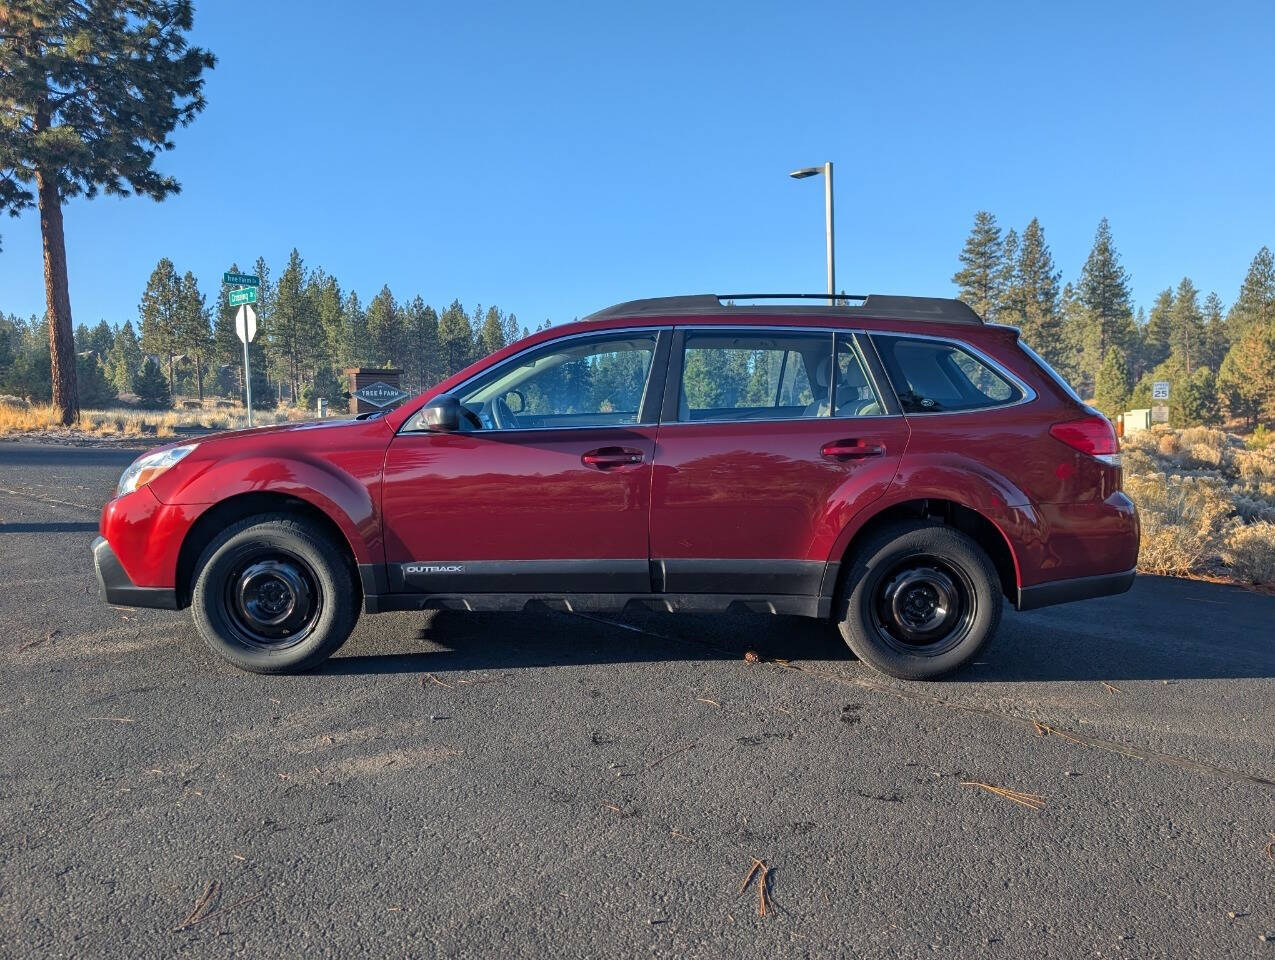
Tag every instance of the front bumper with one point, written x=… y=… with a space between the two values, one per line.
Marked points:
x=115 y=587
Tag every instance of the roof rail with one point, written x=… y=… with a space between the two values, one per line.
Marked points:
x=879 y=306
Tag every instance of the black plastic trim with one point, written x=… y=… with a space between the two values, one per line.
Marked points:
x=925 y=309
x=520 y=576
x=597 y=602
x=1079 y=588
x=116 y=588
x=762 y=577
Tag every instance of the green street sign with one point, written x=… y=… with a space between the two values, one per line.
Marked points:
x=241 y=279
x=246 y=295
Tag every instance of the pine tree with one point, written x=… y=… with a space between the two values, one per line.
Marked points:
x=1186 y=337
x=293 y=332
x=1157 y=333
x=1246 y=381
x=100 y=339
x=1111 y=388
x=325 y=296
x=1256 y=302
x=151 y=387
x=384 y=328
x=1216 y=337
x=1103 y=296
x=194 y=331
x=359 y=349
x=979 y=278
x=90 y=93
x=159 y=313
x=124 y=360
x=492 y=336
x=1034 y=298
x=420 y=361
x=510 y=327
x=455 y=339
x=1195 y=402
x=97 y=390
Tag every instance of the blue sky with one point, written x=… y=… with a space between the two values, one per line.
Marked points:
x=553 y=158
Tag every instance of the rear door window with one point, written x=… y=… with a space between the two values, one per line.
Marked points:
x=754 y=375
x=940 y=376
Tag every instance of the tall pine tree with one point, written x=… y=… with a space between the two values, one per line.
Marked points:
x=159 y=315
x=194 y=331
x=1103 y=297
x=981 y=273
x=1256 y=302
x=1186 y=338
x=89 y=94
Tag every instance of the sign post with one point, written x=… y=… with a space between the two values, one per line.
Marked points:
x=244 y=294
x=246 y=328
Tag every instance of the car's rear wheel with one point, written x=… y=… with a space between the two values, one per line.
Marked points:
x=918 y=600
x=274 y=594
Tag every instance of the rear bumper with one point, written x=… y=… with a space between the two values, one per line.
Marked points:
x=115 y=587
x=1078 y=588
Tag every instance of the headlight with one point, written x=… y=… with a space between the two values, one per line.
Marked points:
x=149 y=466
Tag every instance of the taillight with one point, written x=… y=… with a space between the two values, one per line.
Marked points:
x=1092 y=435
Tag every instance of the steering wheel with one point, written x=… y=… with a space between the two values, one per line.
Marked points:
x=504 y=417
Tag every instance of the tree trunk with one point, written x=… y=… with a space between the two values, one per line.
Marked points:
x=66 y=395
x=199 y=377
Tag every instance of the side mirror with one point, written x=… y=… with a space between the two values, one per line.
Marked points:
x=442 y=414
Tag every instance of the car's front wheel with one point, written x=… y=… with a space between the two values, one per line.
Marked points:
x=918 y=600
x=274 y=594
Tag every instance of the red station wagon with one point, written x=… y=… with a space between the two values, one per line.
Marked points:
x=892 y=464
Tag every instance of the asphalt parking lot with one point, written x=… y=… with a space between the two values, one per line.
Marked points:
x=483 y=785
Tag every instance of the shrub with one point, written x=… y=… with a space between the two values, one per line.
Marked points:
x=1261 y=438
x=1250 y=552
x=1184 y=520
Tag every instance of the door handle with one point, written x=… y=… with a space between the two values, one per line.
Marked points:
x=851 y=449
x=608 y=458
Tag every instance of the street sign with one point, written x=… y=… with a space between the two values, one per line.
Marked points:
x=246 y=323
x=1160 y=390
x=241 y=279
x=1159 y=413
x=380 y=394
x=243 y=295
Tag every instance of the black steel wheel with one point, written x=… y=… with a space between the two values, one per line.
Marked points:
x=274 y=594
x=918 y=600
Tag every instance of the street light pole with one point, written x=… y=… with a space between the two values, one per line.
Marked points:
x=826 y=170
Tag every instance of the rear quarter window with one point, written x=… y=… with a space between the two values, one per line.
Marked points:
x=941 y=376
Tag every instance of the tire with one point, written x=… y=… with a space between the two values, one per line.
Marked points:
x=918 y=600
x=274 y=594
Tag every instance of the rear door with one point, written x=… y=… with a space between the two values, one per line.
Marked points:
x=770 y=441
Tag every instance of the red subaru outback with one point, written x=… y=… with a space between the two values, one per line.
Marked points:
x=895 y=465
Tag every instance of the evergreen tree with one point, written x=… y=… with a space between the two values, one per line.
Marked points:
x=1103 y=297
x=420 y=361
x=1246 y=380
x=81 y=338
x=125 y=359
x=194 y=330
x=227 y=351
x=492 y=336
x=325 y=296
x=455 y=339
x=1111 y=389
x=97 y=390
x=100 y=339
x=159 y=313
x=1216 y=339
x=293 y=334
x=384 y=329
x=151 y=387
x=509 y=325
x=1195 y=402
x=981 y=273
x=1033 y=298
x=1187 y=329
x=1256 y=302
x=90 y=93
x=1157 y=333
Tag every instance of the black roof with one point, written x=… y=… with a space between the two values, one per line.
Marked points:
x=934 y=309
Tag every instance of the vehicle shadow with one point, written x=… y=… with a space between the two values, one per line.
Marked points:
x=1164 y=629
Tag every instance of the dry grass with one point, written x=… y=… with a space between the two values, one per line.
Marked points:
x=1207 y=503
x=126 y=423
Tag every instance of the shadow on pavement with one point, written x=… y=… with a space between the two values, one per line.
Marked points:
x=1164 y=629
x=58 y=526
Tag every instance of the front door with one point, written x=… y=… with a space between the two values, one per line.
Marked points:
x=547 y=486
x=771 y=441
